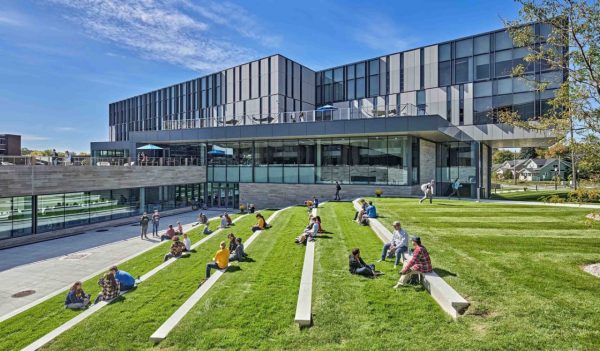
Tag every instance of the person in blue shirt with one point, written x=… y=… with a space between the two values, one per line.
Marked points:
x=371 y=210
x=126 y=280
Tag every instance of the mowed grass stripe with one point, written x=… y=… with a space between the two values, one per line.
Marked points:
x=252 y=308
x=527 y=289
x=30 y=325
x=129 y=322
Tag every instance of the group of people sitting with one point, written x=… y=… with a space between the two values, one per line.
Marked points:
x=112 y=282
x=235 y=252
x=367 y=210
x=172 y=232
x=419 y=262
x=178 y=247
x=311 y=231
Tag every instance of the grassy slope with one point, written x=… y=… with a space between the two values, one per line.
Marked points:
x=128 y=323
x=518 y=265
x=29 y=325
x=529 y=195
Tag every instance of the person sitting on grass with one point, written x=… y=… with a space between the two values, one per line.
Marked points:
x=260 y=223
x=77 y=298
x=232 y=242
x=358 y=266
x=360 y=213
x=202 y=219
x=220 y=261
x=309 y=233
x=398 y=246
x=126 y=280
x=179 y=230
x=252 y=208
x=169 y=234
x=319 y=222
x=110 y=288
x=419 y=263
x=224 y=223
x=206 y=230
x=177 y=248
x=187 y=243
x=371 y=210
x=228 y=218
x=239 y=254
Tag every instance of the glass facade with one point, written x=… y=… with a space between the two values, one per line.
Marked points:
x=357 y=160
x=456 y=160
x=15 y=216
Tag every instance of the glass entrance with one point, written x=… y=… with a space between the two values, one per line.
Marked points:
x=223 y=195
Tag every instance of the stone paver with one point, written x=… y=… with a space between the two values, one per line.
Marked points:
x=46 y=268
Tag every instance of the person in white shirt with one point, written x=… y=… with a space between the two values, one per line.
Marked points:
x=427 y=189
x=224 y=222
x=187 y=242
x=399 y=244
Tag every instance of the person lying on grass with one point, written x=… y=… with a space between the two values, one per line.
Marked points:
x=238 y=254
x=177 y=248
x=220 y=261
x=110 y=287
x=398 y=246
x=310 y=233
x=77 y=298
x=260 y=223
x=358 y=266
x=419 y=263
x=126 y=280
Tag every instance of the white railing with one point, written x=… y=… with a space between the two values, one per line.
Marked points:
x=98 y=161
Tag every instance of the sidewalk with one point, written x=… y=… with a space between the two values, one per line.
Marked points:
x=52 y=265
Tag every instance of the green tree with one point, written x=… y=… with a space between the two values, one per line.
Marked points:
x=527 y=152
x=569 y=42
x=501 y=156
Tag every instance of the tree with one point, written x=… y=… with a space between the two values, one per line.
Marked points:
x=527 y=152
x=501 y=156
x=558 y=150
x=569 y=41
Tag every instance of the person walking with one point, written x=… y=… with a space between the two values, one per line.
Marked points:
x=455 y=186
x=427 y=189
x=144 y=220
x=155 y=223
x=338 y=187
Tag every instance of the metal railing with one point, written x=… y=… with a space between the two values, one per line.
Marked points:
x=98 y=161
x=334 y=114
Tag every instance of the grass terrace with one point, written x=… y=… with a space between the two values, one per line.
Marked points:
x=518 y=265
x=530 y=195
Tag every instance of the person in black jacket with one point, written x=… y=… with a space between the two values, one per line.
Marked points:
x=358 y=266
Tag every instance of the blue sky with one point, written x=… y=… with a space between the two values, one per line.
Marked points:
x=63 y=61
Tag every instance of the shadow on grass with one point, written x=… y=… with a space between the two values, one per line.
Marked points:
x=233 y=269
x=444 y=273
x=194 y=251
x=324 y=237
x=249 y=260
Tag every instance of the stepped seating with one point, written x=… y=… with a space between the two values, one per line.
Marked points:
x=304 y=305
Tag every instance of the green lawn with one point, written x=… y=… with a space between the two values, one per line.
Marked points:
x=529 y=195
x=29 y=325
x=518 y=265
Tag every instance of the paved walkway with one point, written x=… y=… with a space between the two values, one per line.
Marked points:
x=52 y=265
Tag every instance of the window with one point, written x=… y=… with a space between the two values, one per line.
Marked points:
x=360 y=88
x=359 y=161
x=482 y=44
x=523 y=84
x=504 y=86
x=519 y=55
x=481 y=109
x=373 y=77
x=378 y=160
x=461 y=67
x=350 y=89
x=421 y=103
x=444 y=52
x=360 y=70
x=503 y=40
x=464 y=48
x=445 y=73
x=524 y=105
x=503 y=63
x=482 y=67
x=482 y=89
x=461 y=105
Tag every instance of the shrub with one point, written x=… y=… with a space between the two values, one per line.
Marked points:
x=553 y=199
x=584 y=195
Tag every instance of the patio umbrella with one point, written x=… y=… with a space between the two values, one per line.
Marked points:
x=326 y=108
x=150 y=147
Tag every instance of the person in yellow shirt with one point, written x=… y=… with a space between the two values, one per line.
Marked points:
x=221 y=260
x=260 y=223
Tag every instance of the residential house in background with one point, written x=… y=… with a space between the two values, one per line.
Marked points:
x=533 y=169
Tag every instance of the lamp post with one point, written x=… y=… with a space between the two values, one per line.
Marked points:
x=555 y=177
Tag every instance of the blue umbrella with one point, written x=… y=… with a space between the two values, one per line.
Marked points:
x=150 y=147
x=326 y=108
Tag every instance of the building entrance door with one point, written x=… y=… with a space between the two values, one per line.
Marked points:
x=222 y=195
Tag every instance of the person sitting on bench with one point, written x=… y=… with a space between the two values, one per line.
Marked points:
x=309 y=233
x=169 y=234
x=176 y=249
x=126 y=280
x=260 y=224
x=419 y=263
x=110 y=287
x=77 y=298
x=232 y=242
x=319 y=222
x=360 y=213
x=358 y=266
x=187 y=243
x=220 y=261
x=371 y=210
x=228 y=218
x=398 y=245
x=238 y=254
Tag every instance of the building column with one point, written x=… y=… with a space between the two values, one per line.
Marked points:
x=142 y=200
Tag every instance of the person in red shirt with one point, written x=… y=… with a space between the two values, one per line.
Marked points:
x=169 y=234
x=419 y=263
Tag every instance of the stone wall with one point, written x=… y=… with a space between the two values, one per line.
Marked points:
x=280 y=195
x=426 y=161
x=34 y=180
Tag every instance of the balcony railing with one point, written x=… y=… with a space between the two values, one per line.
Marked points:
x=98 y=161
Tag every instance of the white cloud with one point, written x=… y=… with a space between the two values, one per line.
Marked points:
x=381 y=34
x=161 y=30
x=11 y=19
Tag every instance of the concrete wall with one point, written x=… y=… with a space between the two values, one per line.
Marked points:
x=279 y=195
x=34 y=180
x=426 y=161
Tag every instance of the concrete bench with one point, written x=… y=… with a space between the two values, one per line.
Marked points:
x=163 y=331
x=304 y=305
x=448 y=299
x=39 y=343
